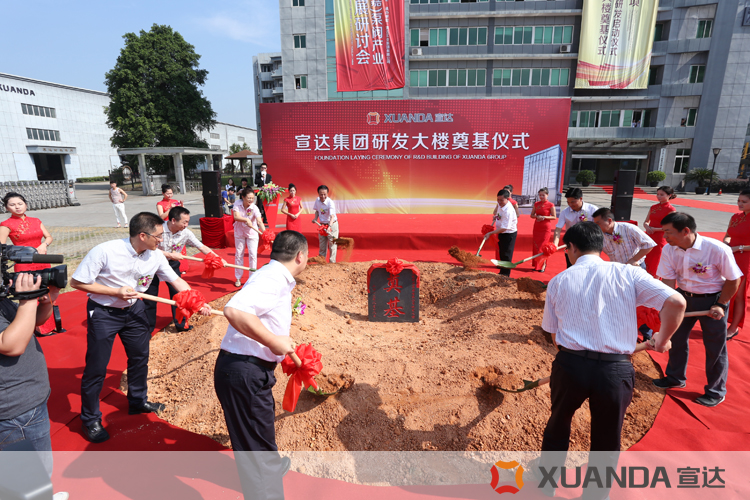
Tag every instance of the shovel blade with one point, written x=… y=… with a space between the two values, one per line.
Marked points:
x=503 y=263
x=319 y=392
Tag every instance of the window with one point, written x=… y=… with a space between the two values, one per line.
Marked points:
x=300 y=81
x=692 y=113
x=265 y=68
x=537 y=35
x=658 y=32
x=30 y=109
x=681 y=161
x=697 y=73
x=414 y=39
x=611 y=118
x=654 y=75
x=215 y=136
x=448 y=78
x=298 y=3
x=240 y=139
x=457 y=36
x=524 y=77
x=43 y=135
x=215 y=146
x=704 y=28
x=300 y=41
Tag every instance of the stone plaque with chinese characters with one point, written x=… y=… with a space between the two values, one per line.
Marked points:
x=393 y=297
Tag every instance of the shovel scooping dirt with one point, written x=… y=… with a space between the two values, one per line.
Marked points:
x=468 y=260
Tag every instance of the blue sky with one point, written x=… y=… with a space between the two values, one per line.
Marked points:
x=76 y=43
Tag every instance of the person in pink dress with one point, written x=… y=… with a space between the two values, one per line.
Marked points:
x=26 y=231
x=292 y=208
x=652 y=225
x=167 y=203
x=545 y=217
x=738 y=238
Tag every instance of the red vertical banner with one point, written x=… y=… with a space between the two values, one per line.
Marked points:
x=369 y=44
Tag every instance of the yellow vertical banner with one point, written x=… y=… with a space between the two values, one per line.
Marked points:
x=617 y=37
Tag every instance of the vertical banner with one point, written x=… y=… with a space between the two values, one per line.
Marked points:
x=369 y=44
x=616 y=41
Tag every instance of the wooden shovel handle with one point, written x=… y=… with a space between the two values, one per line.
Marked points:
x=153 y=298
x=196 y=259
x=295 y=358
x=697 y=313
x=536 y=256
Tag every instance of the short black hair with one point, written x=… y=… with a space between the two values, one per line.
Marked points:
x=504 y=193
x=509 y=187
x=264 y=164
x=144 y=222
x=574 y=193
x=244 y=179
x=231 y=188
x=586 y=236
x=669 y=191
x=112 y=181
x=680 y=221
x=543 y=190
x=287 y=245
x=176 y=213
x=246 y=191
x=165 y=188
x=745 y=192
x=9 y=196
x=604 y=213
x=323 y=186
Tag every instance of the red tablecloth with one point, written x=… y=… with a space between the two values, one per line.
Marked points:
x=214 y=229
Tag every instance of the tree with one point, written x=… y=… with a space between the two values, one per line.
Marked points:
x=155 y=99
x=236 y=148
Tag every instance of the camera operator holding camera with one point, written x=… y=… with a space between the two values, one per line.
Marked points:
x=23 y=371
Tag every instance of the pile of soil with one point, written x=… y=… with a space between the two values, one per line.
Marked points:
x=469 y=260
x=531 y=286
x=416 y=386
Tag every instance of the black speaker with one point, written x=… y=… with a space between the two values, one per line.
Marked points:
x=212 y=206
x=622 y=194
x=211 y=183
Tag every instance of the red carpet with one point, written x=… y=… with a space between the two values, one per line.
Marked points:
x=684 y=202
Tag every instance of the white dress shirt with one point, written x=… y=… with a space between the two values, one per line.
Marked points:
x=267 y=295
x=116 y=264
x=251 y=212
x=591 y=305
x=326 y=210
x=625 y=241
x=569 y=217
x=702 y=268
x=506 y=218
x=175 y=242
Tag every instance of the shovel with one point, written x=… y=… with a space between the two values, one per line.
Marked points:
x=480 y=247
x=513 y=265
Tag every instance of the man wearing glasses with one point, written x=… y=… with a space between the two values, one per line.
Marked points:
x=112 y=274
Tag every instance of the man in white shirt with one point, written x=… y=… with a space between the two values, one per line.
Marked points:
x=704 y=271
x=260 y=318
x=506 y=228
x=176 y=237
x=576 y=211
x=594 y=328
x=325 y=211
x=112 y=274
x=623 y=242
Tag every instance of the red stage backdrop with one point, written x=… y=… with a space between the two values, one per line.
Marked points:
x=419 y=156
x=369 y=44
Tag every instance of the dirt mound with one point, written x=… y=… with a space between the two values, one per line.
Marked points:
x=413 y=386
x=531 y=286
x=468 y=260
x=318 y=259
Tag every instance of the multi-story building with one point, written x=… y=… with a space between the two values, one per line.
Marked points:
x=268 y=75
x=698 y=96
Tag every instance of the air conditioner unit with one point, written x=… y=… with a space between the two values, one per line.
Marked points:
x=565 y=49
x=416 y=51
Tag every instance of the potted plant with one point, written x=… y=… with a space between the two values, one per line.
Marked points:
x=586 y=177
x=655 y=177
x=702 y=176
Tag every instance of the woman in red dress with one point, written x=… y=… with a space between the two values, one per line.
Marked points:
x=291 y=207
x=167 y=203
x=26 y=232
x=652 y=224
x=544 y=215
x=738 y=238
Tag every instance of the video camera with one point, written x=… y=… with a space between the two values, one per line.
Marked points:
x=54 y=277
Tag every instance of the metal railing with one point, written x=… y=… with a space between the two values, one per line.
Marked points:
x=38 y=194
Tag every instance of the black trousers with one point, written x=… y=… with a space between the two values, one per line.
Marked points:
x=245 y=392
x=154 y=290
x=507 y=243
x=103 y=324
x=262 y=209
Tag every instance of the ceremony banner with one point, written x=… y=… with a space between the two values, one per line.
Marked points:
x=425 y=156
x=617 y=37
x=369 y=44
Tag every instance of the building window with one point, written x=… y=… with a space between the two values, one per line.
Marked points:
x=300 y=81
x=214 y=146
x=692 y=113
x=215 y=136
x=538 y=35
x=414 y=39
x=654 y=75
x=43 y=135
x=265 y=68
x=611 y=118
x=300 y=41
x=658 y=32
x=697 y=73
x=457 y=36
x=534 y=77
x=298 y=3
x=448 y=78
x=681 y=161
x=32 y=110
x=704 y=28
x=240 y=139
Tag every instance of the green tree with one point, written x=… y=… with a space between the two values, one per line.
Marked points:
x=236 y=148
x=155 y=99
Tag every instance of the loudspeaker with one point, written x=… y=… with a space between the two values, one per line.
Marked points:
x=622 y=194
x=211 y=183
x=212 y=206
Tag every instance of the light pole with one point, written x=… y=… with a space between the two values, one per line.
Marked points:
x=711 y=180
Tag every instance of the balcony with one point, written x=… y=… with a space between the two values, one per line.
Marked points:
x=604 y=137
x=266 y=93
x=278 y=90
x=265 y=77
x=277 y=73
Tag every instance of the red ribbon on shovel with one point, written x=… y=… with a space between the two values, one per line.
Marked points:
x=211 y=263
x=188 y=302
x=302 y=376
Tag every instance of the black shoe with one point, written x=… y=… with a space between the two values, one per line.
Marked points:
x=709 y=401
x=663 y=383
x=147 y=407
x=94 y=432
x=184 y=329
x=286 y=463
x=733 y=334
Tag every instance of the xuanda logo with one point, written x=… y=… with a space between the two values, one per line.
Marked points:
x=373 y=118
x=496 y=477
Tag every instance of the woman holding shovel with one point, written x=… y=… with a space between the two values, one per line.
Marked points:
x=544 y=216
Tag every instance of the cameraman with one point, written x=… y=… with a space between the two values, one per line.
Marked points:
x=23 y=371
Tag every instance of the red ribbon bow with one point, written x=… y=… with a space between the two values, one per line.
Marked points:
x=301 y=377
x=266 y=240
x=548 y=249
x=323 y=230
x=211 y=262
x=487 y=229
x=394 y=266
x=188 y=302
x=648 y=316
